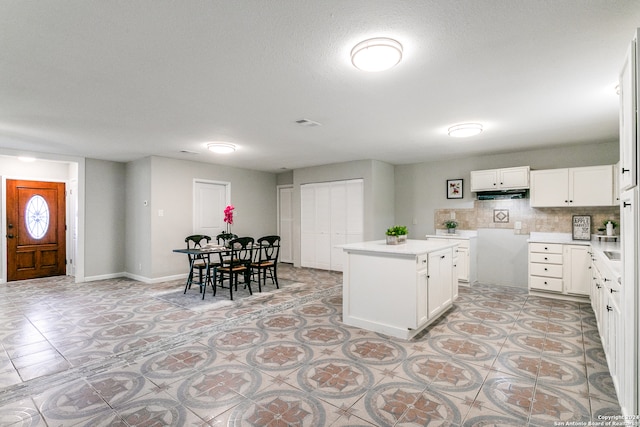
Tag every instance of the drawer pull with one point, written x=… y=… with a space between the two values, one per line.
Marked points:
x=609 y=308
x=546 y=283
x=606 y=280
x=546 y=269
x=612 y=290
x=546 y=259
x=598 y=286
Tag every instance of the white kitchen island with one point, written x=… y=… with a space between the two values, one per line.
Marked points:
x=397 y=290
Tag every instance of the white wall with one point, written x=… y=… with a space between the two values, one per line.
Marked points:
x=138 y=218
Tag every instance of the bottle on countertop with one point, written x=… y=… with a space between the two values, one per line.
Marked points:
x=609 y=229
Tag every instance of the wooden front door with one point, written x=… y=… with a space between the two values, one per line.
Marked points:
x=35 y=229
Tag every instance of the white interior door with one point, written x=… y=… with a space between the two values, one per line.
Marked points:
x=285 y=223
x=209 y=200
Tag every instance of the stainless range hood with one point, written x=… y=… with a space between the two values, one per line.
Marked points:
x=503 y=194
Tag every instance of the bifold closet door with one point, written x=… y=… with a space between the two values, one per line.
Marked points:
x=331 y=214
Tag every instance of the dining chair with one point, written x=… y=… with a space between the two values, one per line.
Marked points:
x=234 y=261
x=265 y=260
x=196 y=261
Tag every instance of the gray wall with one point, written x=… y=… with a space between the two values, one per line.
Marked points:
x=138 y=218
x=420 y=187
x=105 y=186
x=378 y=194
x=253 y=193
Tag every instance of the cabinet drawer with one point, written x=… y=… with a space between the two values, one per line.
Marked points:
x=545 y=270
x=548 y=248
x=545 y=283
x=546 y=258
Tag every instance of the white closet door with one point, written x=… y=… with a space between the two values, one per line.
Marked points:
x=209 y=201
x=338 y=224
x=285 y=223
x=323 y=227
x=307 y=226
x=355 y=211
x=331 y=214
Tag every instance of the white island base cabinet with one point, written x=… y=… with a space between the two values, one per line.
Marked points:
x=397 y=290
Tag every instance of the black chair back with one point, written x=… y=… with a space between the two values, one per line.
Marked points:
x=268 y=249
x=241 y=251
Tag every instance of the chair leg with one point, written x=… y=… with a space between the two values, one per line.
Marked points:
x=275 y=275
x=189 y=278
x=215 y=278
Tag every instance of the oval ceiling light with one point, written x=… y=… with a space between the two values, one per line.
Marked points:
x=377 y=54
x=221 y=147
x=465 y=130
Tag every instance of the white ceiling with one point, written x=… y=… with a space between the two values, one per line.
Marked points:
x=121 y=80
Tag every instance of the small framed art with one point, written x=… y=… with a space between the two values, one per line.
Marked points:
x=581 y=227
x=454 y=189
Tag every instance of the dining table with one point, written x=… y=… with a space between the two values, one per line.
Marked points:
x=203 y=253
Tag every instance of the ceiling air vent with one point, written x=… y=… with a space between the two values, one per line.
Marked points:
x=308 y=123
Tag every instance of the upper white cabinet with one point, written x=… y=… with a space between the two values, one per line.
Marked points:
x=500 y=179
x=587 y=186
x=628 y=170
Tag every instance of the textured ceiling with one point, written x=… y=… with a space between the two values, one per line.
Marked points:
x=121 y=80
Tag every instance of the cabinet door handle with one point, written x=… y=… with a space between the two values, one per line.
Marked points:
x=606 y=280
x=598 y=286
x=613 y=290
x=625 y=170
x=625 y=204
x=442 y=256
x=609 y=307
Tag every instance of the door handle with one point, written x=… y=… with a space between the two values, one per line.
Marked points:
x=10 y=236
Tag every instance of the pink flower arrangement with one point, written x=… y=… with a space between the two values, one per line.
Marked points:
x=228 y=214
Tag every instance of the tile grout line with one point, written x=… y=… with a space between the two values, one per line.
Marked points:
x=40 y=384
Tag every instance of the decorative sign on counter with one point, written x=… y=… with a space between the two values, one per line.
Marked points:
x=582 y=227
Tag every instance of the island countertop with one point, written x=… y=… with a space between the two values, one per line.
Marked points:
x=410 y=248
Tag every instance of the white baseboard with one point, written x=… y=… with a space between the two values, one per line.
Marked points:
x=139 y=278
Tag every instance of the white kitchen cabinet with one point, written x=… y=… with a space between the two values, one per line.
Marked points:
x=586 y=186
x=330 y=214
x=545 y=267
x=397 y=289
x=562 y=269
x=439 y=281
x=630 y=222
x=466 y=255
x=500 y=179
x=628 y=87
x=577 y=272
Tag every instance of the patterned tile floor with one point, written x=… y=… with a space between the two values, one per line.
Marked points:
x=122 y=353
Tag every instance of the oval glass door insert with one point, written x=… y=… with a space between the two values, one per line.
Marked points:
x=37 y=216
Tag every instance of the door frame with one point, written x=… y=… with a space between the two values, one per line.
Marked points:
x=77 y=174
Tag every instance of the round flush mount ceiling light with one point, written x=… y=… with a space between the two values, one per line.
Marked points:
x=377 y=54
x=465 y=130
x=221 y=147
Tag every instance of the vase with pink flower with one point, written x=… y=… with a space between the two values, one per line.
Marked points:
x=227 y=235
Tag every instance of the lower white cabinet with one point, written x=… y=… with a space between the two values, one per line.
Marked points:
x=560 y=269
x=397 y=289
x=606 y=304
x=577 y=269
x=465 y=255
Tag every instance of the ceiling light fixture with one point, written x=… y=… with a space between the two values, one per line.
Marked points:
x=465 y=129
x=376 y=54
x=221 y=147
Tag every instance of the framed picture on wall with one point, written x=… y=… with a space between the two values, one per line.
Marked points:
x=581 y=227
x=454 y=189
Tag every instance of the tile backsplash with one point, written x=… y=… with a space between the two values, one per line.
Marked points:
x=505 y=213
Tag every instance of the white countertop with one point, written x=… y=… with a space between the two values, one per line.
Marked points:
x=411 y=248
x=459 y=234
